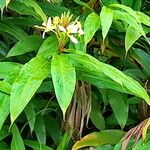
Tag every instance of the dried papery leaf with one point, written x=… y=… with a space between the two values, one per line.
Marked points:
x=136 y=132
x=79 y=110
x=145 y=128
x=125 y=140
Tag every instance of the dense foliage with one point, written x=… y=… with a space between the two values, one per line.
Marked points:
x=74 y=74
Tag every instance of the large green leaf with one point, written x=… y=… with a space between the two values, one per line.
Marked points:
x=126 y=17
x=31 y=43
x=4 y=107
x=64 y=79
x=143 y=145
x=98 y=79
x=17 y=142
x=145 y=19
x=106 y=17
x=27 y=83
x=5 y=87
x=99 y=138
x=131 y=36
x=13 y=30
x=90 y=64
x=49 y=47
x=104 y=147
x=53 y=128
x=127 y=2
x=53 y=10
x=83 y=4
x=4 y=132
x=36 y=145
x=40 y=129
x=143 y=58
x=7 y=68
x=4 y=146
x=46 y=87
x=36 y=7
x=136 y=5
x=23 y=9
x=96 y=115
x=91 y=25
x=63 y=145
x=30 y=114
x=118 y=102
x=127 y=9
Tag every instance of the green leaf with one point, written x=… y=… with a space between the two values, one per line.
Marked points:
x=91 y=25
x=4 y=132
x=53 y=128
x=49 y=47
x=98 y=79
x=30 y=77
x=83 y=4
x=4 y=107
x=132 y=35
x=36 y=145
x=28 y=44
x=136 y=5
x=46 y=87
x=145 y=19
x=126 y=17
x=40 y=129
x=37 y=8
x=104 y=147
x=118 y=102
x=4 y=146
x=127 y=2
x=64 y=79
x=90 y=64
x=17 y=142
x=99 y=138
x=143 y=58
x=108 y=2
x=30 y=114
x=13 y=30
x=96 y=115
x=106 y=18
x=143 y=145
x=53 y=10
x=9 y=67
x=23 y=9
x=127 y=9
x=5 y=87
x=63 y=145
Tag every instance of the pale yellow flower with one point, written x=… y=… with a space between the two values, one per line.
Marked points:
x=47 y=26
x=63 y=24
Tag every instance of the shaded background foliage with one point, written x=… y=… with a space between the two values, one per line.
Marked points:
x=31 y=115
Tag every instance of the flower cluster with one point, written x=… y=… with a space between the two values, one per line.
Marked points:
x=63 y=24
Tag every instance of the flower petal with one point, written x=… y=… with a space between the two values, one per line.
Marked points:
x=61 y=28
x=73 y=39
x=72 y=28
x=44 y=23
x=49 y=23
